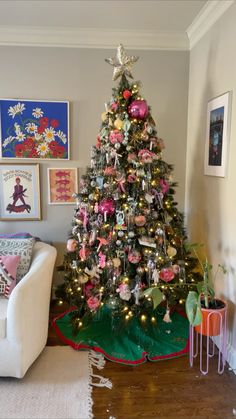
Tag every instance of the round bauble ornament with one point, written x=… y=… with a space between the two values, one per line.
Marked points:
x=93 y=183
x=83 y=278
x=118 y=242
x=112 y=302
x=120 y=233
x=140 y=220
x=117 y=146
x=134 y=256
x=125 y=142
x=118 y=123
x=138 y=109
x=71 y=245
x=131 y=234
x=116 y=262
x=126 y=94
x=166 y=274
x=107 y=205
x=171 y=251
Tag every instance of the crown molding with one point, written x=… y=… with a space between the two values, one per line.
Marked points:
x=92 y=38
x=207 y=16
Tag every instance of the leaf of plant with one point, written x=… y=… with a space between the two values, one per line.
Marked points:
x=155 y=294
x=193 y=309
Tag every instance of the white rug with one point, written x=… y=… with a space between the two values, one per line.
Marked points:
x=58 y=385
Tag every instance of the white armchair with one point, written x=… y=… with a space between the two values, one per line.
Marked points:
x=24 y=317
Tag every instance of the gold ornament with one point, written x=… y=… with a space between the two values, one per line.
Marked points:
x=104 y=116
x=171 y=251
x=118 y=123
x=116 y=262
x=122 y=63
x=83 y=279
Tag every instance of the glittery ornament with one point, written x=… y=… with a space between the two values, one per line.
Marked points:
x=134 y=256
x=107 y=205
x=166 y=274
x=116 y=262
x=138 y=109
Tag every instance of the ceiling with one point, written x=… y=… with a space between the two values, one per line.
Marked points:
x=164 y=15
x=142 y=24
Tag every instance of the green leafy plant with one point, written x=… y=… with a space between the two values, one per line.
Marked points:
x=204 y=296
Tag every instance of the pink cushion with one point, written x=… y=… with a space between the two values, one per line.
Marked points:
x=8 y=268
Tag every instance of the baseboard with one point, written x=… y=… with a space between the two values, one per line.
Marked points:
x=230 y=354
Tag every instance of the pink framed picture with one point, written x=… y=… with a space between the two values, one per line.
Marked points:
x=62 y=184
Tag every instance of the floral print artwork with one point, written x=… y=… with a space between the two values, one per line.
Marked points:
x=34 y=129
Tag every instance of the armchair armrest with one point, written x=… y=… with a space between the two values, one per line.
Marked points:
x=28 y=307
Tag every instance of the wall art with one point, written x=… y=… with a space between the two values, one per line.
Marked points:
x=34 y=129
x=217 y=135
x=62 y=183
x=19 y=192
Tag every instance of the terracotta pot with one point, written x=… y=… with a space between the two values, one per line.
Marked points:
x=211 y=321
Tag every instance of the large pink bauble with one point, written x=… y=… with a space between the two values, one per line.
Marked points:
x=107 y=205
x=138 y=109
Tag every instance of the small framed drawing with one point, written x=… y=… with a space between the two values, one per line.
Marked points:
x=34 y=129
x=20 y=192
x=217 y=135
x=62 y=183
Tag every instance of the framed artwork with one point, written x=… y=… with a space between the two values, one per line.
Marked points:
x=34 y=129
x=20 y=192
x=62 y=183
x=217 y=135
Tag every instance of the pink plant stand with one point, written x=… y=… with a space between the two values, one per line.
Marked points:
x=196 y=345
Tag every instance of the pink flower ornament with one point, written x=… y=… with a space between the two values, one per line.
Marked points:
x=116 y=136
x=124 y=291
x=93 y=303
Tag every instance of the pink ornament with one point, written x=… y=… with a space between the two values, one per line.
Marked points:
x=93 y=303
x=134 y=256
x=166 y=274
x=116 y=136
x=131 y=178
x=114 y=106
x=71 y=245
x=164 y=186
x=102 y=260
x=109 y=171
x=124 y=291
x=126 y=94
x=84 y=253
x=146 y=156
x=140 y=220
x=107 y=205
x=138 y=109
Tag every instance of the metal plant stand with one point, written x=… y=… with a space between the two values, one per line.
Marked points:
x=196 y=344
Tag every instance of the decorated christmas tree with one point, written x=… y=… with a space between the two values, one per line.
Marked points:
x=126 y=250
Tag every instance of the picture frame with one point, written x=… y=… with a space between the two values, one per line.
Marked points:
x=34 y=129
x=20 y=192
x=62 y=183
x=217 y=135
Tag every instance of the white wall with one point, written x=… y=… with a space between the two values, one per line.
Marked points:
x=82 y=77
x=211 y=201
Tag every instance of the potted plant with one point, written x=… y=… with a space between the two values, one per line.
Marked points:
x=204 y=311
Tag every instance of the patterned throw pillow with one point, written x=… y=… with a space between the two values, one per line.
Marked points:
x=18 y=247
x=8 y=267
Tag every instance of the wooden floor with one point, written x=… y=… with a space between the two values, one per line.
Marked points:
x=162 y=390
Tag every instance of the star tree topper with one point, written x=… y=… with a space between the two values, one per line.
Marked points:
x=122 y=63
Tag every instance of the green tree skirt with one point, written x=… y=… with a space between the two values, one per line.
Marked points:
x=130 y=343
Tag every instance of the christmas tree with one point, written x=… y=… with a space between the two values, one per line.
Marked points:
x=126 y=249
